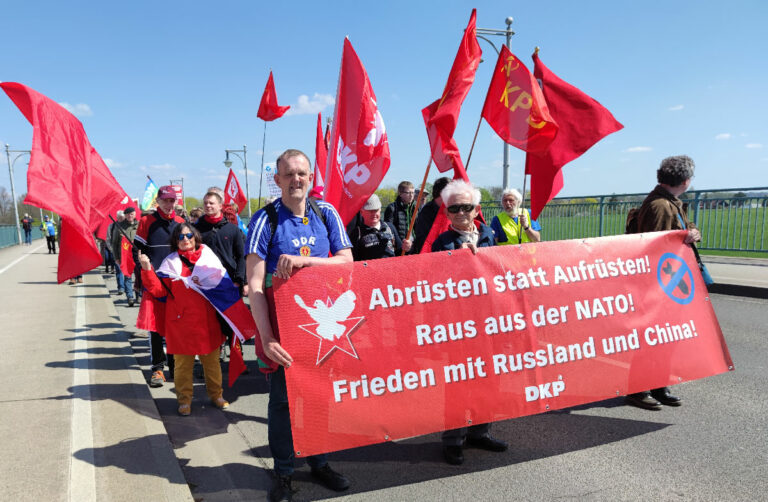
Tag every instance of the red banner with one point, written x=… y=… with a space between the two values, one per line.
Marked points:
x=396 y=348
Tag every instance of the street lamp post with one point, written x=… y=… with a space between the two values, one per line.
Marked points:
x=244 y=160
x=13 y=188
x=508 y=34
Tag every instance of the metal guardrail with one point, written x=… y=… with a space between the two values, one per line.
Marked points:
x=9 y=237
x=731 y=219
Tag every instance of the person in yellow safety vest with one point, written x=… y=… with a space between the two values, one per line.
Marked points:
x=514 y=225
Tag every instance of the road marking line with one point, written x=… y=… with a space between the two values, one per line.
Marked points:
x=82 y=471
x=17 y=260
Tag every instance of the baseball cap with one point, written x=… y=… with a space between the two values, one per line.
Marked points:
x=372 y=203
x=166 y=192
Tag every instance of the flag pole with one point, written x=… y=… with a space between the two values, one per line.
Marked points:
x=471 y=148
x=418 y=201
x=261 y=173
x=525 y=181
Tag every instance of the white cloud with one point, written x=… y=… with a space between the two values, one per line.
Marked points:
x=635 y=149
x=724 y=135
x=113 y=164
x=754 y=145
x=306 y=106
x=78 y=110
x=676 y=108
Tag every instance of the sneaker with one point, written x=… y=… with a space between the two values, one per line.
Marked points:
x=72 y=281
x=185 y=410
x=130 y=302
x=220 y=403
x=157 y=379
x=330 y=479
x=79 y=280
x=281 y=490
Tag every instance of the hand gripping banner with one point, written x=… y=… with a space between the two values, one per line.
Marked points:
x=400 y=347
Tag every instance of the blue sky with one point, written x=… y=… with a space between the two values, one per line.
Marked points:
x=163 y=88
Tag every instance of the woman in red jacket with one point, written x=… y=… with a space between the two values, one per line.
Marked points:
x=191 y=326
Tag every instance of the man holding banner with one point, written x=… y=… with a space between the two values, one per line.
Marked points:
x=291 y=233
x=663 y=210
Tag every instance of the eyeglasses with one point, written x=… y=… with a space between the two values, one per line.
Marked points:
x=467 y=208
x=188 y=235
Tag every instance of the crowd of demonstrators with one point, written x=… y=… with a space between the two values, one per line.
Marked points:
x=49 y=231
x=514 y=225
x=153 y=239
x=126 y=226
x=276 y=246
x=462 y=202
x=427 y=215
x=661 y=210
x=26 y=224
x=374 y=238
x=296 y=231
x=400 y=211
x=190 y=323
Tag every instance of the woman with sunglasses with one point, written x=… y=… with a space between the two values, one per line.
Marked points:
x=462 y=201
x=191 y=326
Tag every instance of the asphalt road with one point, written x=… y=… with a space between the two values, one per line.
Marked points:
x=714 y=447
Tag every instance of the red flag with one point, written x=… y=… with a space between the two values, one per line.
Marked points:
x=67 y=176
x=268 y=108
x=515 y=107
x=321 y=155
x=233 y=192
x=582 y=122
x=126 y=257
x=443 y=114
x=359 y=153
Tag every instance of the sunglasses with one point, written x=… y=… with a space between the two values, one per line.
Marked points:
x=467 y=208
x=188 y=235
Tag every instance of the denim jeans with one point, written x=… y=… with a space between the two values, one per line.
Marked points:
x=279 y=427
x=124 y=282
x=27 y=236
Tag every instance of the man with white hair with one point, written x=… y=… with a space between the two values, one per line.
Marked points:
x=514 y=225
x=462 y=201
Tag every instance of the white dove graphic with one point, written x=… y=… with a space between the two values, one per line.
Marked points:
x=328 y=318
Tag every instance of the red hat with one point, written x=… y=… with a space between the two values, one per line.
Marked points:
x=166 y=192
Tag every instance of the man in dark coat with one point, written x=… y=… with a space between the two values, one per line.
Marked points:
x=399 y=212
x=663 y=210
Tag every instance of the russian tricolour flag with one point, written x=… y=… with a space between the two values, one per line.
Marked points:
x=210 y=279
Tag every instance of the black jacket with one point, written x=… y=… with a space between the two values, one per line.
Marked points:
x=228 y=243
x=453 y=240
x=399 y=215
x=370 y=243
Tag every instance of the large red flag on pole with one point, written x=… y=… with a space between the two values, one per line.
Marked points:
x=359 y=152
x=233 y=192
x=515 y=107
x=321 y=154
x=582 y=122
x=442 y=115
x=66 y=175
x=268 y=108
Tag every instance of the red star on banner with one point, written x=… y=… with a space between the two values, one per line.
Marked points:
x=343 y=342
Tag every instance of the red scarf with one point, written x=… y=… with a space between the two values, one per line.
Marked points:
x=213 y=219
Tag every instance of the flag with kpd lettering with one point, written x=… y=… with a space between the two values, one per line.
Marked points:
x=515 y=107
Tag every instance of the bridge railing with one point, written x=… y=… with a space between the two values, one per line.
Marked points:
x=732 y=219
